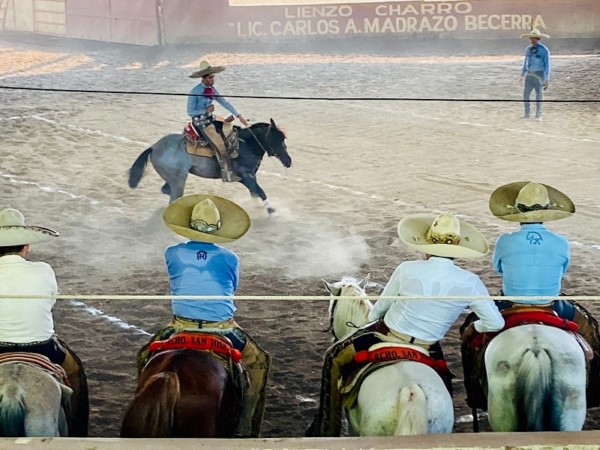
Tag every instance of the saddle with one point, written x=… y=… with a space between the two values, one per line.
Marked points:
x=200 y=144
x=378 y=356
x=37 y=360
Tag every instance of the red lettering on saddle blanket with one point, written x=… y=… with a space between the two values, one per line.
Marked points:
x=393 y=353
x=515 y=319
x=198 y=341
x=191 y=131
x=37 y=360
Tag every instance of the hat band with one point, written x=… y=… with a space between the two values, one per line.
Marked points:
x=447 y=238
x=204 y=227
x=527 y=208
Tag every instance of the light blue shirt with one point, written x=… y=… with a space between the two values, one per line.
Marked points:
x=197 y=104
x=532 y=261
x=199 y=268
x=430 y=319
x=537 y=59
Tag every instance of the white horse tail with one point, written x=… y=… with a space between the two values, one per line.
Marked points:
x=533 y=388
x=12 y=411
x=412 y=405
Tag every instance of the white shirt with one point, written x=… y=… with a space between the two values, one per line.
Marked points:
x=430 y=320
x=24 y=320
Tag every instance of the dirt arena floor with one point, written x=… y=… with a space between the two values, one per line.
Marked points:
x=358 y=168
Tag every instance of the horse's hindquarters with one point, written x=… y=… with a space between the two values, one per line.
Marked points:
x=404 y=398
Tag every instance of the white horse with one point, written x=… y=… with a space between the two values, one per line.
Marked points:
x=536 y=380
x=405 y=398
x=31 y=402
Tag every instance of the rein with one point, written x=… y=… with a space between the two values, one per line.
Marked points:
x=256 y=139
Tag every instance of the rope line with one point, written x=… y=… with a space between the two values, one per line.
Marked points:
x=297 y=97
x=520 y=299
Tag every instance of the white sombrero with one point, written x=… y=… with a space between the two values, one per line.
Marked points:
x=442 y=235
x=207 y=218
x=205 y=68
x=528 y=202
x=535 y=33
x=13 y=230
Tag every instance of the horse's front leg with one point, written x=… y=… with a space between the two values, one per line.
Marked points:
x=249 y=181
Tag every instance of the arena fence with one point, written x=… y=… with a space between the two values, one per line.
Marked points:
x=583 y=440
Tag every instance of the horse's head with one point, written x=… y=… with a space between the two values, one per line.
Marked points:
x=347 y=314
x=274 y=142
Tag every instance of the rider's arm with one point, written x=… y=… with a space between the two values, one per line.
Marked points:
x=225 y=104
x=497 y=256
x=392 y=288
x=490 y=319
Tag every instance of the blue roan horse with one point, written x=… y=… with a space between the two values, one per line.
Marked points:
x=170 y=159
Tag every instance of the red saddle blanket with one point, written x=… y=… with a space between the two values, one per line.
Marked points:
x=39 y=361
x=396 y=353
x=191 y=132
x=198 y=341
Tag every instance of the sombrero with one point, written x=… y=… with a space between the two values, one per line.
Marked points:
x=13 y=230
x=528 y=202
x=205 y=68
x=442 y=235
x=207 y=218
x=535 y=33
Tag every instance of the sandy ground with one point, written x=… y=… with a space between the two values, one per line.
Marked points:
x=359 y=167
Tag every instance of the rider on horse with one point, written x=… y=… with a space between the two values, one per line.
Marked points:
x=420 y=322
x=26 y=324
x=533 y=260
x=200 y=108
x=201 y=267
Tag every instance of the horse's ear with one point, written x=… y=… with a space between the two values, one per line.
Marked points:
x=364 y=282
x=273 y=123
x=331 y=288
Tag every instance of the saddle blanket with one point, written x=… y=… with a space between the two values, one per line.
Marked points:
x=36 y=360
x=219 y=345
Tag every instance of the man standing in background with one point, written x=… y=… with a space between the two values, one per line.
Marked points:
x=535 y=72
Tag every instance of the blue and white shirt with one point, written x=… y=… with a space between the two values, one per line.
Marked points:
x=537 y=59
x=199 y=268
x=198 y=103
x=532 y=261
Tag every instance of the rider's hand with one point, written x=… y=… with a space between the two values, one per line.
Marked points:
x=210 y=109
x=242 y=120
x=521 y=80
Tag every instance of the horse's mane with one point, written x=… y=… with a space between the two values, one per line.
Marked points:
x=349 y=312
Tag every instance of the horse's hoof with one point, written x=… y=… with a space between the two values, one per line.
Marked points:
x=270 y=210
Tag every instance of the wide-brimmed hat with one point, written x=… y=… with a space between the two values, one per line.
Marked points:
x=205 y=68
x=13 y=230
x=207 y=218
x=534 y=33
x=528 y=202
x=442 y=235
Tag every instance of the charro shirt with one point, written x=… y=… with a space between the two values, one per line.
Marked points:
x=532 y=261
x=26 y=320
x=537 y=59
x=198 y=103
x=198 y=268
x=430 y=320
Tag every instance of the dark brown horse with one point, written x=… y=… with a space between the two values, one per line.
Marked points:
x=183 y=393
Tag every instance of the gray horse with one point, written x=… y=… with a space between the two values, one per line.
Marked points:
x=170 y=159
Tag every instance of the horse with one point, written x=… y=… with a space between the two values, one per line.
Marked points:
x=536 y=377
x=170 y=159
x=33 y=403
x=183 y=393
x=404 y=398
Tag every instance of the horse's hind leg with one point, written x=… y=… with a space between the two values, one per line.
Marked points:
x=177 y=188
x=166 y=189
x=502 y=402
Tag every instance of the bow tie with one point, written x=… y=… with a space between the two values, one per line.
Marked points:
x=209 y=92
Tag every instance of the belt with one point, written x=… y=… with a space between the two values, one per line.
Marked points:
x=24 y=344
x=200 y=323
x=410 y=339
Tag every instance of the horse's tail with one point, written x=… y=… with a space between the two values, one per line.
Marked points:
x=412 y=405
x=136 y=172
x=152 y=412
x=12 y=411
x=533 y=389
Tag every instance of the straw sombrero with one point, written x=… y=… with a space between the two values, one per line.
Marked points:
x=535 y=33
x=205 y=68
x=207 y=218
x=528 y=202
x=13 y=230
x=442 y=235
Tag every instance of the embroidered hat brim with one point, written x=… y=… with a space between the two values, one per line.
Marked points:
x=234 y=219
x=502 y=205
x=22 y=235
x=207 y=71
x=412 y=231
